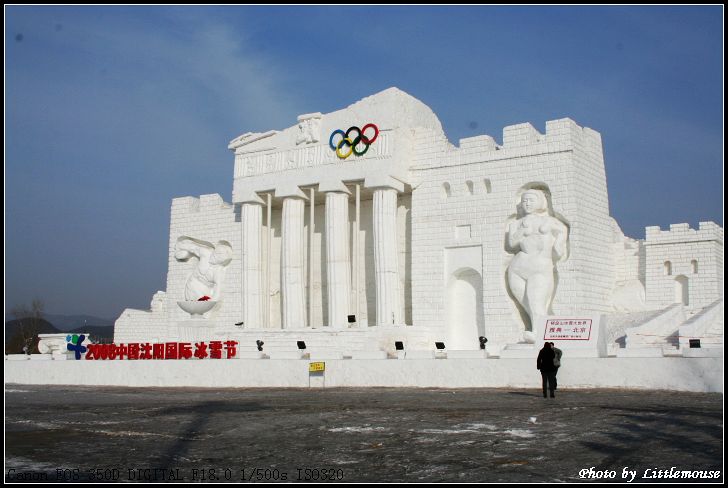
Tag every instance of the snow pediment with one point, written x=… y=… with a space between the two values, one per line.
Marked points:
x=305 y=148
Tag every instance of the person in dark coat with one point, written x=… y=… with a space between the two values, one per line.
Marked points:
x=557 y=362
x=545 y=364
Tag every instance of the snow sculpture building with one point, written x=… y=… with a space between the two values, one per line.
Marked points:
x=396 y=234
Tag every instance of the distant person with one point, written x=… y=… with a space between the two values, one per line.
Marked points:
x=557 y=362
x=545 y=364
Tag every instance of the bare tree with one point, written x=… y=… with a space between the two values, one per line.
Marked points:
x=29 y=320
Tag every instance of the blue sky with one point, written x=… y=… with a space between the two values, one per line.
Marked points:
x=111 y=112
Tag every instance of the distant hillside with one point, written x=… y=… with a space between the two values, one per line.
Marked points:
x=14 y=326
x=68 y=322
x=98 y=333
x=13 y=333
x=71 y=322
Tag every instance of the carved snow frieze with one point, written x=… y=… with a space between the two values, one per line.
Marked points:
x=309 y=128
x=306 y=156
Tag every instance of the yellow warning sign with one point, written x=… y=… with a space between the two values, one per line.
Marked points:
x=315 y=367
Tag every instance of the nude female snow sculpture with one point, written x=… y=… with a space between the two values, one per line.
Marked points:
x=539 y=241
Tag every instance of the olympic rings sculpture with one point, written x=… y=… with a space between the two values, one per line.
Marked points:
x=346 y=140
